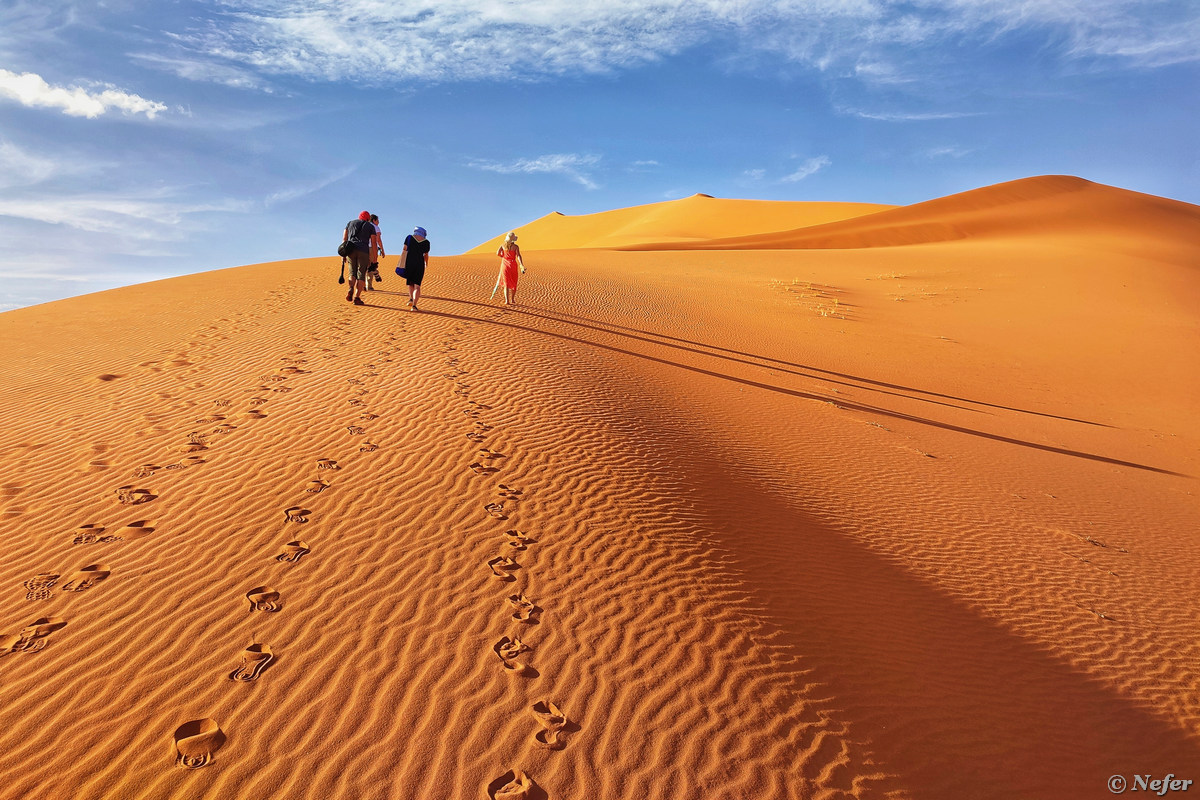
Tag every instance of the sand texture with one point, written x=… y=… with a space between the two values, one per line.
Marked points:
x=909 y=518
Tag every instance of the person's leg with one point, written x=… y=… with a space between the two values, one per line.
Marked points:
x=416 y=295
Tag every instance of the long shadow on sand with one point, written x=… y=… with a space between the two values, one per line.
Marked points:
x=663 y=340
x=839 y=402
x=947 y=700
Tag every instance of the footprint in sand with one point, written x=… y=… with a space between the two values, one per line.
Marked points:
x=500 y=566
x=487 y=453
x=255 y=659
x=293 y=551
x=356 y=430
x=196 y=741
x=482 y=469
x=191 y=448
x=92 y=534
x=39 y=586
x=138 y=529
x=553 y=721
x=368 y=447
x=226 y=428
x=471 y=412
x=327 y=463
x=524 y=609
x=146 y=470
x=495 y=510
x=282 y=389
x=508 y=649
x=129 y=496
x=263 y=598
x=86 y=578
x=316 y=486
x=32 y=637
x=354 y=381
x=484 y=427
x=479 y=405
x=255 y=402
x=462 y=392
x=220 y=403
x=187 y=461
x=509 y=492
x=296 y=514
x=355 y=401
x=518 y=540
x=476 y=437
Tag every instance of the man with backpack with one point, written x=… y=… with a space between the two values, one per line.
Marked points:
x=359 y=236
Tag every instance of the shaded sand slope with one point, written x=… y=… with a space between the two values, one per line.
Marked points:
x=691 y=219
x=893 y=522
x=1049 y=205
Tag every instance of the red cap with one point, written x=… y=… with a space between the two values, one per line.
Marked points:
x=364 y=216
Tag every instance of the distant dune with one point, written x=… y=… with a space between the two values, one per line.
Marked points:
x=694 y=219
x=1050 y=205
x=850 y=502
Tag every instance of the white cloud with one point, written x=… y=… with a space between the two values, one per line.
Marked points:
x=755 y=174
x=809 y=167
x=904 y=116
x=947 y=151
x=204 y=70
x=32 y=90
x=380 y=41
x=571 y=165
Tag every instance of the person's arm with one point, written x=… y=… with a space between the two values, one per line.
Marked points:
x=346 y=233
x=519 y=261
x=500 y=251
x=426 y=254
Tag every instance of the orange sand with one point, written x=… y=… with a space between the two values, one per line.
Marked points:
x=875 y=521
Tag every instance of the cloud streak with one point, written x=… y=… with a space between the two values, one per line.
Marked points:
x=809 y=167
x=33 y=91
x=571 y=165
x=452 y=40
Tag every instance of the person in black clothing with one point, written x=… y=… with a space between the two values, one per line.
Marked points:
x=415 y=257
x=360 y=234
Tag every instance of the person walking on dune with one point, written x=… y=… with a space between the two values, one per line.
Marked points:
x=415 y=257
x=376 y=254
x=510 y=266
x=359 y=233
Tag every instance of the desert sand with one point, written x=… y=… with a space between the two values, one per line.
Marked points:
x=743 y=500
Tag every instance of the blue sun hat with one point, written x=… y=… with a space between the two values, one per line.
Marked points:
x=419 y=231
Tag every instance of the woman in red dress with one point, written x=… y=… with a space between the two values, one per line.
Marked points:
x=510 y=266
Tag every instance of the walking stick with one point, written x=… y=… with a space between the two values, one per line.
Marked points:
x=342 y=277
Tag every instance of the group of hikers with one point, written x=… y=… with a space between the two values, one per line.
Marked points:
x=362 y=247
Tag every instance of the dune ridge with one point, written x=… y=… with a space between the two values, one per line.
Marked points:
x=692 y=219
x=911 y=521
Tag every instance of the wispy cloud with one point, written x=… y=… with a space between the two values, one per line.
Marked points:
x=907 y=116
x=574 y=166
x=503 y=39
x=204 y=70
x=32 y=90
x=809 y=167
x=946 y=151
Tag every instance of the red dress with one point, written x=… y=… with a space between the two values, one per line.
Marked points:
x=508 y=268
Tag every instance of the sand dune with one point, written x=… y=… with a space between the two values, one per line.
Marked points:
x=693 y=219
x=875 y=522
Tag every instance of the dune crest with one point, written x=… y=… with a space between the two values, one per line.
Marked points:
x=1045 y=206
x=697 y=218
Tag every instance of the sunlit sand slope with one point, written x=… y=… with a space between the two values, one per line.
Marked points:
x=693 y=219
x=1051 y=205
x=893 y=522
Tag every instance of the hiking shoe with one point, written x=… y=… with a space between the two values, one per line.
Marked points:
x=358 y=301
x=349 y=295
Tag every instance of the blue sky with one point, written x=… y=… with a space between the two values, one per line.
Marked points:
x=141 y=140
